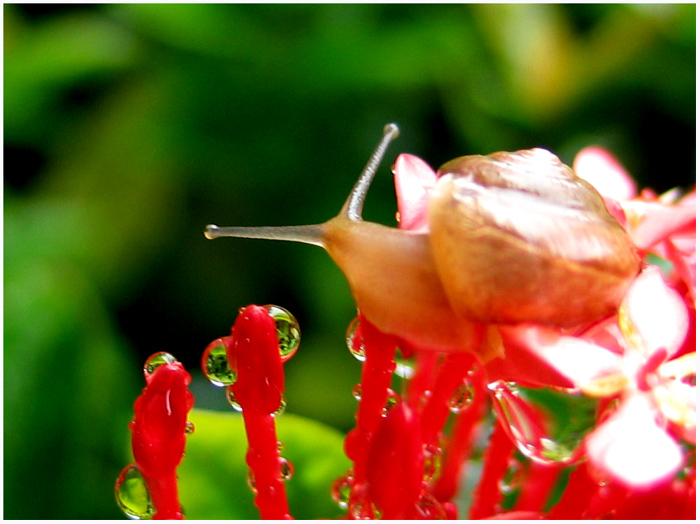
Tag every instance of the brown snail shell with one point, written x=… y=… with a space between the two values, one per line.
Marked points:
x=518 y=237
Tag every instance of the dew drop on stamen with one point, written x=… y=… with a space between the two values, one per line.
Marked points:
x=433 y=461
x=251 y=481
x=541 y=433
x=392 y=399
x=360 y=506
x=357 y=392
x=215 y=364
x=288 y=332
x=132 y=494
x=231 y=397
x=286 y=469
x=340 y=490
x=354 y=341
x=424 y=398
x=513 y=477
x=462 y=397
x=156 y=360
x=405 y=367
x=281 y=408
x=429 y=508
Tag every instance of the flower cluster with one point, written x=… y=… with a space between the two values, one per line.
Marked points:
x=593 y=422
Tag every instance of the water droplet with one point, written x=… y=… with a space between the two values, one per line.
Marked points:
x=392 y=399
x=433 y=461
x=189 y=427
x=513 y=478
x=231 y=397
x=340 y=490
x=429 y=508
x=354 y=340
x=280 y=447
x=424 y=398
x=215 y=364
x=546 y=425
x=357 y=392
x=251 y=481
x=286 y=469
x=283 y=406
x=462 y=397
x=360 y=506
x=288 y=332
x=156 y=360
x=132 y=494
x=405 y=367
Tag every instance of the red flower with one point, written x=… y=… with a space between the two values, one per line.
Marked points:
x=633 y=358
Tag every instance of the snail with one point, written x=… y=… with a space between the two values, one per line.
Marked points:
x=512 y=238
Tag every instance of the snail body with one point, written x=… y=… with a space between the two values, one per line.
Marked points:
x=511 y=238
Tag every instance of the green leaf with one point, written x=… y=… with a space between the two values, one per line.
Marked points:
x=213 y=476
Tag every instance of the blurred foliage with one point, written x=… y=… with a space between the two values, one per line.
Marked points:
x=129 y=127
x=213 y=478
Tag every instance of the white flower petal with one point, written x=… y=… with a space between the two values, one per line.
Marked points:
x=657 y=311
x=600 y=169
x=631 y=447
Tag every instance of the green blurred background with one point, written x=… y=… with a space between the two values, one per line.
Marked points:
x=129 y=127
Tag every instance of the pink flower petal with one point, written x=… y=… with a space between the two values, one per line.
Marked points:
x=652 y=222
x=631 y=447
x=600 y=169
x=576 y=359
x=413 y=179
x=689 y=199
x=520 y=364
x=657 y=311
x=606 y=333
x=680 y=251
x=615 y=209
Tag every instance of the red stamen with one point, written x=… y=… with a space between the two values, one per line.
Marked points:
x=576 y=499
x=462 y=439
x=158 y=435
x=453 y=372
x=538 y=484
x=254 y=353
x=488 y=494
x=395 y=464
x=377 y=371
x=424 y=377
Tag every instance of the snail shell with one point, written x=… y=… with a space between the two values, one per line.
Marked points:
x=518 y=237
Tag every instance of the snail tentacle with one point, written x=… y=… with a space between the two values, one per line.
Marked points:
x=310 y=234
x=352 y=208
x=313 y=234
